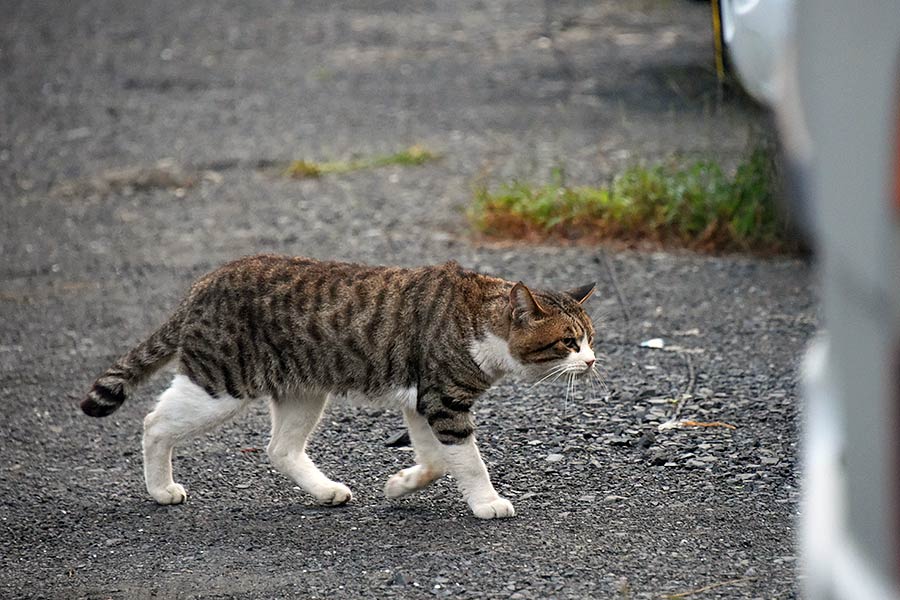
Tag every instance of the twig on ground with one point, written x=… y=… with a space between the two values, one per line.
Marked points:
x=691 y=377
x=615 y=284
x=673 y=422
x=678 y=424
x=705 y=588
x=687 y=423
x=613 y=280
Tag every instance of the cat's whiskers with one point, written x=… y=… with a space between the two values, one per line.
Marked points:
x=571 y=382
x=600 y=316
x=603 y=387
x=554 y=372
x=595 y=374
x=591 y=383
x=598 y=365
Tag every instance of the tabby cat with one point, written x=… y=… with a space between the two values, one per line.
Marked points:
x=297 y=330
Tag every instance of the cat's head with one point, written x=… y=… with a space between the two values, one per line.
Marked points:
x=550 y=332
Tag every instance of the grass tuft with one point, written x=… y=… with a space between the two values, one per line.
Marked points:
x=696 y=205
x=413 y=156
x=300 y=169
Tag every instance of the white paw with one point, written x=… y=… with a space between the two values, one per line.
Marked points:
x=409 y=480
x=399 y=484
x=501 y=508
x=171 y=494
x=403 y=482
x=334 y=494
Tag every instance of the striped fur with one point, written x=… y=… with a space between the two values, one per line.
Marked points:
x=112 y=388
x=283 y=328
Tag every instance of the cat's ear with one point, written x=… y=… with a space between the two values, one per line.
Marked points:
x=523 y=303
x=581 y=294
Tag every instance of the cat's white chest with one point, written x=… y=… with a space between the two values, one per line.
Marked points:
x=491 y=354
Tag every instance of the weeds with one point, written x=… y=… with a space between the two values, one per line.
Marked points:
x=412 y=156
x=695 y=205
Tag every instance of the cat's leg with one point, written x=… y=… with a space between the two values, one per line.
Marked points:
x=183 y=411
x=465 y=464
x=430 y=464
x=453 y=426
x=293 y=419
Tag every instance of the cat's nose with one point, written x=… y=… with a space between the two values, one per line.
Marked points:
x=589 y=362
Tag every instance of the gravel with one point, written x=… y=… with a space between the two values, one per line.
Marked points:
x=607 y=503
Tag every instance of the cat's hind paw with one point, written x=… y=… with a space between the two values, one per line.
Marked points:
x=408 y=481
x=501 y=508
x=171 y=494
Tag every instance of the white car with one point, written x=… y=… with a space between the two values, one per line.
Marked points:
x=832 y=75
x=750 y=39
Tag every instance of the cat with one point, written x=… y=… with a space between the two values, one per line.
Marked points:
x=296 y=331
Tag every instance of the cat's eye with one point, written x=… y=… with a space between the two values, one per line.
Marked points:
x=571 y=343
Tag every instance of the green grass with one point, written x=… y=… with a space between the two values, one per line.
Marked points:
x=412 y=156
x=695 y=205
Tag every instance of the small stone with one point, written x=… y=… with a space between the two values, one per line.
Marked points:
x=612 y=499
x=655 y=343
x=587 y=498
x=658 y=457
x=398 y=440
x=242 y=486
x=554 y=458
x=648 y=438
x=398 y=579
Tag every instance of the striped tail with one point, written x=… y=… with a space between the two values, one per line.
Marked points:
x=114 y=386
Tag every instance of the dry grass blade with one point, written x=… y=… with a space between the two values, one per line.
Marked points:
x=413 y=156
x=708 y=424
x=705 y=588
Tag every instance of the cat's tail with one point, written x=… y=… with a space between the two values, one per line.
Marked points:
x=114 y=386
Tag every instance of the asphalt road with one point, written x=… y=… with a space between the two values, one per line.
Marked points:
x=608 y=506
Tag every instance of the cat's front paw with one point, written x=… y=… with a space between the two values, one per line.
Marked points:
x=335 y=494
x=171 y=494
x=501 y=508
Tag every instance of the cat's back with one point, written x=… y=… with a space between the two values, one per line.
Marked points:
x=328 y=301
x=324 y=284
x=337 y=325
